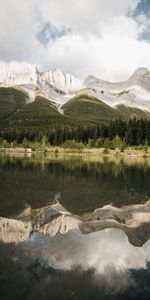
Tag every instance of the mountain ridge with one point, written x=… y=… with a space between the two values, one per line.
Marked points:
x=60 y=88
x=53 y=83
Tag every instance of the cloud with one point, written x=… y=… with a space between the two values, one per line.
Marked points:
x=89 y=251
x=103 y=38
x=84 y=16
x=71 y=276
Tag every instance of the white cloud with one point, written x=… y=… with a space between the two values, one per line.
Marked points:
x=102 y=249
x=103 y=38
x=84 y=16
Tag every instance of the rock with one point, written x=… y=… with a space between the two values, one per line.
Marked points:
x=134 y=220
x=14 y=231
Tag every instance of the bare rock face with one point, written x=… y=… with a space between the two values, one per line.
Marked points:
x=134 y=92
x=53 y=84
x=61 y=224
x=14 y=230
x=141 y=77
x=59 y=87
x=16 y=73
x=134 y=220
x=49 y=220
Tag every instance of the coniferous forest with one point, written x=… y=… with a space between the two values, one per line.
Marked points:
x=132 y=132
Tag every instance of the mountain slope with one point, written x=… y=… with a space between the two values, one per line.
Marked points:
x=39 y=113
x=88 y=107
x=10 y=101
x=135 y=92
x=83 y=106
x=17 y=110
x=127 y=113
x=26 y=93
x=65 y=83
x=54 y=84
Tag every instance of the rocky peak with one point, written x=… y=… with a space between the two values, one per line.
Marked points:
x=16 y=73
x=141 y=77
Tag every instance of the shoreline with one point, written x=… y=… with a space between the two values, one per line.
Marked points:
x=128 y=152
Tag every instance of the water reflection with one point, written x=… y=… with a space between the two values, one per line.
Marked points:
x=61 y=256
x=84 y=185
x=53 y=219
x=100 y=265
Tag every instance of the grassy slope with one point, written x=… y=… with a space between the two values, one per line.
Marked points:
x=11 y=100
x=87 y=107
x=40 y=112
x=131 y=112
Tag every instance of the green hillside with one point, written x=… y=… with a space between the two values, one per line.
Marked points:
x=127 y=113
x=38 y=114
x=86 y=107
x=11 y=100
x=82 y=109
x=34 y=113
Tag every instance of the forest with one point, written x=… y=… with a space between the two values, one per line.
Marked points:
x=133 y=132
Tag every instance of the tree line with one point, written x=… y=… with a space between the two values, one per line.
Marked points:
x=133 y=132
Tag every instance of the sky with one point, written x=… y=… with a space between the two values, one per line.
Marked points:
x=109 y=39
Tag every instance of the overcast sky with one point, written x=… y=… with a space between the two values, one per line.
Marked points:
x=106 y=38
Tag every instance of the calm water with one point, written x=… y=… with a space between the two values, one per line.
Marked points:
x=80 y=185
x=100 y=265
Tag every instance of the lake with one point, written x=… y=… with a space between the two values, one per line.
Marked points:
x=74 y=227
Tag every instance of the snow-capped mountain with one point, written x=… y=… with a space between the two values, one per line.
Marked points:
x=59 y=87
x=16 y=73
x=134 y=92
x=53 y=84
x=63 y=82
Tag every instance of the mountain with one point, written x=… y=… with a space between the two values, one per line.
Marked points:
x=55 y=219
x=135 y=92
x=17 y=73
x=54 y=84
x=27 y=93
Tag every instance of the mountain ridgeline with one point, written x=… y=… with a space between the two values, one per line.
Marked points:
x=61 y=107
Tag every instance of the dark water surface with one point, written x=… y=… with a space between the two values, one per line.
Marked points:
x=99 y=265
x=81 y=185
